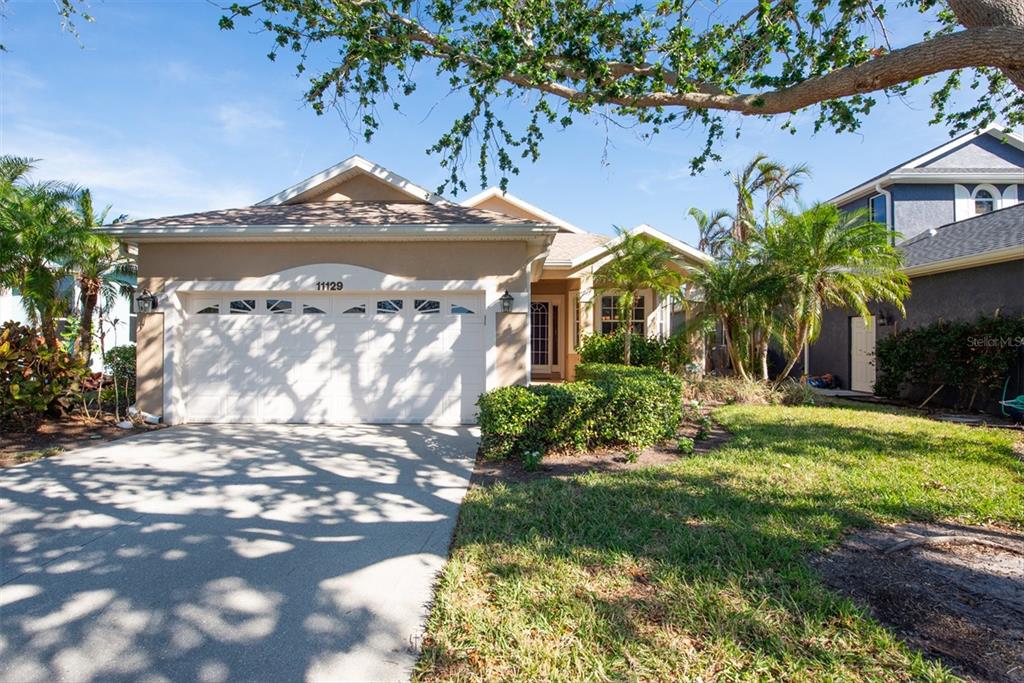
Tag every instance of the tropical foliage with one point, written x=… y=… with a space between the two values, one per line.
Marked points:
x=638 y=262
x=655 y=66
x=779 y=269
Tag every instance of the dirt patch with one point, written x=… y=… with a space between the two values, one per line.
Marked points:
x=59 y=436
x=954 y=592
x=487 y=472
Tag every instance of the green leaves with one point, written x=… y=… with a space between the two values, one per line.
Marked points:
x=638 y=65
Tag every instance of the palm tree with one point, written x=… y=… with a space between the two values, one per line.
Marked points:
x=714 y=230
x=638 y=263
x=831 y=258
x=740 y=294
x=38 y=235
x=101 y=268
x=770 y=178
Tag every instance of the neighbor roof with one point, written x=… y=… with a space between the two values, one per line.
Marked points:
x=998 y=233
x=911 y=168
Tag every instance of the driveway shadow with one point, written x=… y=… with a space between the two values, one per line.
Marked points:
x=217 y=553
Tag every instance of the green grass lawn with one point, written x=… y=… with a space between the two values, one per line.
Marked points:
x=699 y=569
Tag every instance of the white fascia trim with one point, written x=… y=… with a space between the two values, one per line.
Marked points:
x=643 y=229
x=1012 y=253
x=334 y=232
x=491 y=192
x=996 y=130
x=1008 y=176
x=354 y=163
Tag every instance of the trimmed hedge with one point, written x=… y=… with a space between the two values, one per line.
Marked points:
x=609 y=405
x=671 y=354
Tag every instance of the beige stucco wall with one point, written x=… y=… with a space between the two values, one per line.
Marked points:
x=506 y=261
x=512 y=339
x=360 y=187
x=149 y=363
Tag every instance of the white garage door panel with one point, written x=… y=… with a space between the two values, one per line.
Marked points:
x=348 y=364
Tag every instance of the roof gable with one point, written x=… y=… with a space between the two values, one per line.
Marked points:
x=493 y=199
x=978 y=145
x=355 y=179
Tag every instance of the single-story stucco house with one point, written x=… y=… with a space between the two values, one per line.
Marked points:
x=358 y=296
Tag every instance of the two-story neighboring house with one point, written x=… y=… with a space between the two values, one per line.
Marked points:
x=955 y=214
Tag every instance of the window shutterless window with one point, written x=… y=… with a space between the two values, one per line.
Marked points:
x=610 y=317
x=879 y=209
x=389 y=306
x=984 y=202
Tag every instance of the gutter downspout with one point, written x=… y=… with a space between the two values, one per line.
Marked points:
x=888 y=211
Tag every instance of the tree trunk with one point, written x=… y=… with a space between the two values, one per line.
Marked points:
x=734 y=356
x=627 y=345
x=992 y=13
x=762 y=354
x=801 y=340
x=48 y=328
x=89 y=297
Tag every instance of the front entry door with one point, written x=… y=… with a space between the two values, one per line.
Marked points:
x=545 y=342
x=862 y=354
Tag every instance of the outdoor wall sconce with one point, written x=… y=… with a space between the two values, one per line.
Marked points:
x=884 y=320
x=506 y=302
x=145 y=301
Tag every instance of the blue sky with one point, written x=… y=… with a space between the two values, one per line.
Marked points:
x=160 y=112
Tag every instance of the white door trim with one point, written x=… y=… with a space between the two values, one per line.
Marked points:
x=862 y=354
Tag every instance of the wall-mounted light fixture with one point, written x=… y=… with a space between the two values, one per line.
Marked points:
x=145 y=301
x=884 y=319
x=506 y=302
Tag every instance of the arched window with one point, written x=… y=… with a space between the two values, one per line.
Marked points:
x=984 y=201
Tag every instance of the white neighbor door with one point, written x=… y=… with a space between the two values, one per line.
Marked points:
x=862 y=354
x=374 y=357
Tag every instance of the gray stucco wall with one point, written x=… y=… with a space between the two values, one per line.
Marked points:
x=985 y=151
x=956 y=295
x=917 y=208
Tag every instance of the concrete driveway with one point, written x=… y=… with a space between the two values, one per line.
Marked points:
x=228 y=553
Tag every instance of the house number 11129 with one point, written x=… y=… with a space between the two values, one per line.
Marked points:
x=332 y=286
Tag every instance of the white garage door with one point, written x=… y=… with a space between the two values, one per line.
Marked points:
x=380 y=357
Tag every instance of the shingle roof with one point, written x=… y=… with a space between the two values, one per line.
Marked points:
x=336 y=214
x=989 y=232
x=957 y=170
x=568 y=245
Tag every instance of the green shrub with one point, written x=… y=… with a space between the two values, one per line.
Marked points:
x=34 y=378
x=671 y=354
x=966 y=356
x=642 y=404
x=506 y=418
x=609 y=405
x=685 y=445
x=119 y=362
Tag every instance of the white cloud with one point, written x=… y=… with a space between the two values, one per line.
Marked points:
x=138 y=180
x=241 y=121
x=178 y=71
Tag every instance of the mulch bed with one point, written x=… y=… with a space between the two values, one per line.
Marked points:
x=55 y=436
x=488 y=472
x=958 y=597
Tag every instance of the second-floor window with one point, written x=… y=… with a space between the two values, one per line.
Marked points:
x=984 y=202
x=879 y=209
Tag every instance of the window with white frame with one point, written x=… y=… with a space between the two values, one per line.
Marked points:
x=984 y=201
x=610 y=315
x=427 y=306
x=279 y=306
x=389 y=306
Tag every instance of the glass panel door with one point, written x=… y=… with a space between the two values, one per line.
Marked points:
x=540 y=328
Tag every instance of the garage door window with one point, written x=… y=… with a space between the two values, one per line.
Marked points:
x=358 y=309
x=459 y=309
x=427 y=306
x=311 y=309
x=242 y=307
x=208 y=309
x=279 y=306
x=389 y=306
